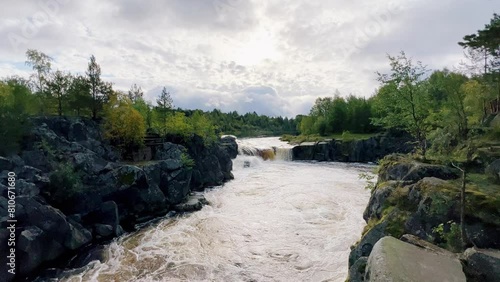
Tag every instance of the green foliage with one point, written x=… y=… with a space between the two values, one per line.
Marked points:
x=370 y=184
x=16 y=103
x=449 y=232
x=123 y=124
x=403 y=100
x=65 y=184
x=336 y=115
x=186 y=160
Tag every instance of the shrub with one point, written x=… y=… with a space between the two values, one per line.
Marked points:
x=64 y=184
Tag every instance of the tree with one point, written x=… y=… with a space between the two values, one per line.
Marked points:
x=79 y=98
x=164 y=105
x=123 y=124
x=99 y=90
x=403 y=99
x=41 y=64
x=448 y=96
x=135 y=93
x=58 y=87
x=16 y=104
x=487 y=42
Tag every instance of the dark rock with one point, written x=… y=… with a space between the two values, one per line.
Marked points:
x=77 y=237
x=31 y=242
x=24 y=188
x=229 y=145
x=377 y=200
x=493 y=170
x=483 y=235
x=482 y=265
x=357 y=270
x=168 y=151
x=107 y=214
x=89 y=163
x=193 y=203
x=365 y=245
x=368 y=150
x=400 y=168
x=103 y=230
x=6 y=164
x=177 y=189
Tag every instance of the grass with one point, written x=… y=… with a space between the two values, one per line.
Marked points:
x=297 y=139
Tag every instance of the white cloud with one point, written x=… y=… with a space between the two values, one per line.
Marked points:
x=272 y=57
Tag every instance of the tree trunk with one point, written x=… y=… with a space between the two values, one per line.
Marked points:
x=462 y=210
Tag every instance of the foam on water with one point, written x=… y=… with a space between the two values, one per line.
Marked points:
x=277 y=221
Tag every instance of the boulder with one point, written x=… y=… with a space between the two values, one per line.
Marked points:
x=395 y=260
x=193 y=203
x=229 y=145
x=357 y=270
x=493 y=170
x=378 y=198
x=399 y=168
x=482 y=264
x=168 y=151
x=103 y=231
x=107 y=214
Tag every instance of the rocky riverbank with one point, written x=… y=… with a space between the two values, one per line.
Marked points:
x=419 y=203
x=73 y=189
x=363 y=150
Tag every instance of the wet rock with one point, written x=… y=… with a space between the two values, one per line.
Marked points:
x=395 y=260
x=103 y=230
x=193 y=203
x=77 y=237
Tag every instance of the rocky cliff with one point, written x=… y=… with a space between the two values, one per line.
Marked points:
x=367 y=150
x=422 y=200
x=73 y=189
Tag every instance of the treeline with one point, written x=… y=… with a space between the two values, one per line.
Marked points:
x=126 y=117
x=336 y=114
x=442 y=109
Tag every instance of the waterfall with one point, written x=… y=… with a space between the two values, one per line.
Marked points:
x=271 y=150
x=283 y=154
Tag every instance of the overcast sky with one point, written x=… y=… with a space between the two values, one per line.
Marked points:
x=274 y=57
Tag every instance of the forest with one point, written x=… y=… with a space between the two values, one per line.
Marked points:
x=126 y=117
x=444 y=110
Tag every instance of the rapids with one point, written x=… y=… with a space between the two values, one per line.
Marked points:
x=276 y=221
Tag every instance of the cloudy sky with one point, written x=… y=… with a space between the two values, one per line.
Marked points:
x=274 y=57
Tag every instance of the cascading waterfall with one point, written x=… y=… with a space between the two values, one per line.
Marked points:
x=276 y=221
x=268 y=149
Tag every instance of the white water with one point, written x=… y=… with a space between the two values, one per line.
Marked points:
x=277 y=221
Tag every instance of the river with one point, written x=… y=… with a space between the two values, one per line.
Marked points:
x=276 y=221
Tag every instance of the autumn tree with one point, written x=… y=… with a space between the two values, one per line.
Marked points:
x=123 y=124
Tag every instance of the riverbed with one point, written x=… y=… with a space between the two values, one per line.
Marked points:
x=276 y=221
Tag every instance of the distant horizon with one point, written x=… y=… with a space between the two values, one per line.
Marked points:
x=232 y=55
